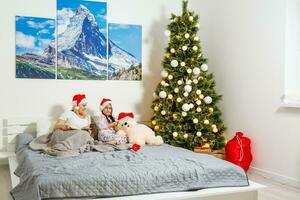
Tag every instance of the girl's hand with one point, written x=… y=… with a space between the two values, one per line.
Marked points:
x=112 y=142
x=66 y=127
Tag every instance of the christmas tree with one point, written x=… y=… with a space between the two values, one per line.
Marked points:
x=185 y=101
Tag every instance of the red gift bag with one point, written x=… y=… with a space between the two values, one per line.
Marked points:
x=238 y=151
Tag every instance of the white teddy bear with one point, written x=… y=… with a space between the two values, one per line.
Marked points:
x=137 y=133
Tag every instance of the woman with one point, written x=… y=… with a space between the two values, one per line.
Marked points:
x=77 y=118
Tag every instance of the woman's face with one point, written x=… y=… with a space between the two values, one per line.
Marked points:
x=107 y=110
x=82 y=108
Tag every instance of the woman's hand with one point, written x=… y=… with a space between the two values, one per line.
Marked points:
x=112 y=142
x=66 y=127
x=111 y=125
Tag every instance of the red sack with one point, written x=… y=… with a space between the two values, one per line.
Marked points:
x=238 y=151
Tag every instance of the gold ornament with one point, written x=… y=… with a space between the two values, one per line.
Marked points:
x=174 y=116
x=199 y=109
x=198 y=92
x=163 y=112
x=197 y=25
x=198 y=102
x=191 y=105
x=199 y=134
x=206 y=121
x=178 y=99
x=184 y=48
x=186 y=35
x=153 y=122
x=210 y=109
x=170 y=77
x=163 y=82
x=172 y=50
x=156 y=127
x=184 y=114
x=215 y=130
x=196 y=38
x=213 y=126
x=195 y=81
x=186 y=135
x=156 y=108
x=201 y=96
x=176 y=90
x=189 y=82
x=195 y=48
x=195 y=121
x=191 y=18
x=170 y=96
x=189 y=70
x=186 y=94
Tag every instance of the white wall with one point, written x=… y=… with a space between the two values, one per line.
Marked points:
x=245 y=44
x=23 y=97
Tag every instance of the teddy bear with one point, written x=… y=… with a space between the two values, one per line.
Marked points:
x=137 y=133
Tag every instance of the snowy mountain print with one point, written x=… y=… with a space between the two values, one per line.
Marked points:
x=124 y=52
x=35 y=52
x=81 y=42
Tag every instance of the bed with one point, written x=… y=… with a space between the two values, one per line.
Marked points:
x=164 y=172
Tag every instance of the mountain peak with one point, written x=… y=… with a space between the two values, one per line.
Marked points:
x=82 y=9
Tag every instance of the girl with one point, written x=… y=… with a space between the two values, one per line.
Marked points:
x=108 y=125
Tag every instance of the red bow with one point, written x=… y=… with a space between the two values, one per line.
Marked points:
x=122 y=115
x=135 y=147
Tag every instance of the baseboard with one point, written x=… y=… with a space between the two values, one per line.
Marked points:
x=276 y=177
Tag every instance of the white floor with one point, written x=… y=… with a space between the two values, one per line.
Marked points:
x=274 y=190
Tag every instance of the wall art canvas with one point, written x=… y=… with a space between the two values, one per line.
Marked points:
x=124 y=52
x=35 y=48
x=81 y=40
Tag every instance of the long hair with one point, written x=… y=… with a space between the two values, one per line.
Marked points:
x=109 y=118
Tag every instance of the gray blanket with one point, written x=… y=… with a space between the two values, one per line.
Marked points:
x=71 y=143
x=117 y=173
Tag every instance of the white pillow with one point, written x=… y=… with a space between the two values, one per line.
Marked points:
x=44 y=126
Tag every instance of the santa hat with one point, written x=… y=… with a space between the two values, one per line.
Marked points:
x=104 y=103
x=123 y=115
x=78 y=99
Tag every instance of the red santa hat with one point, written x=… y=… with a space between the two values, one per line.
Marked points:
x=104 y=103
x=78 y=99
x=123 y=115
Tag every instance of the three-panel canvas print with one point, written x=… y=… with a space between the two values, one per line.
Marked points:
x=79 y=45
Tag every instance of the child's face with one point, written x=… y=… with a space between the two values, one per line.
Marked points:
x=107 y=110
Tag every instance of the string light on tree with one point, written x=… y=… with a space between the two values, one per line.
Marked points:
x=195 y=48
x=175 y=134
x=199 y=134
x=187 y=36
x=196 y=38
x=189 y=70
x=170 y=77
x=172 y=50
x=182 y=64
x=184 y=48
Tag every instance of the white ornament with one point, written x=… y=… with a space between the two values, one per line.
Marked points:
x=195 y=121
x=182 y=64
x=191 y=105
x=164 y=73
x=199 y=109
x=162 y=94
x=184 y=48
x=167 y=33
x=191 y=18
x=186 y=35
x=196 y=38
x=204 y=67
x=174 y=63
x=188 y=88
x=196 y=71
x=186 y=94
x=179 y=100
x=198 y=92
x=195 y=81
x=170 y=77
x=207 y=99
x=189 y=70
x=195 y=48
x=172 y=50
x=175 y=134
x=179 y=82
x=163 y=112
x=176 y=90
x=184 y=114
x=185 y=135
x=185 y=107
x=199 y=134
